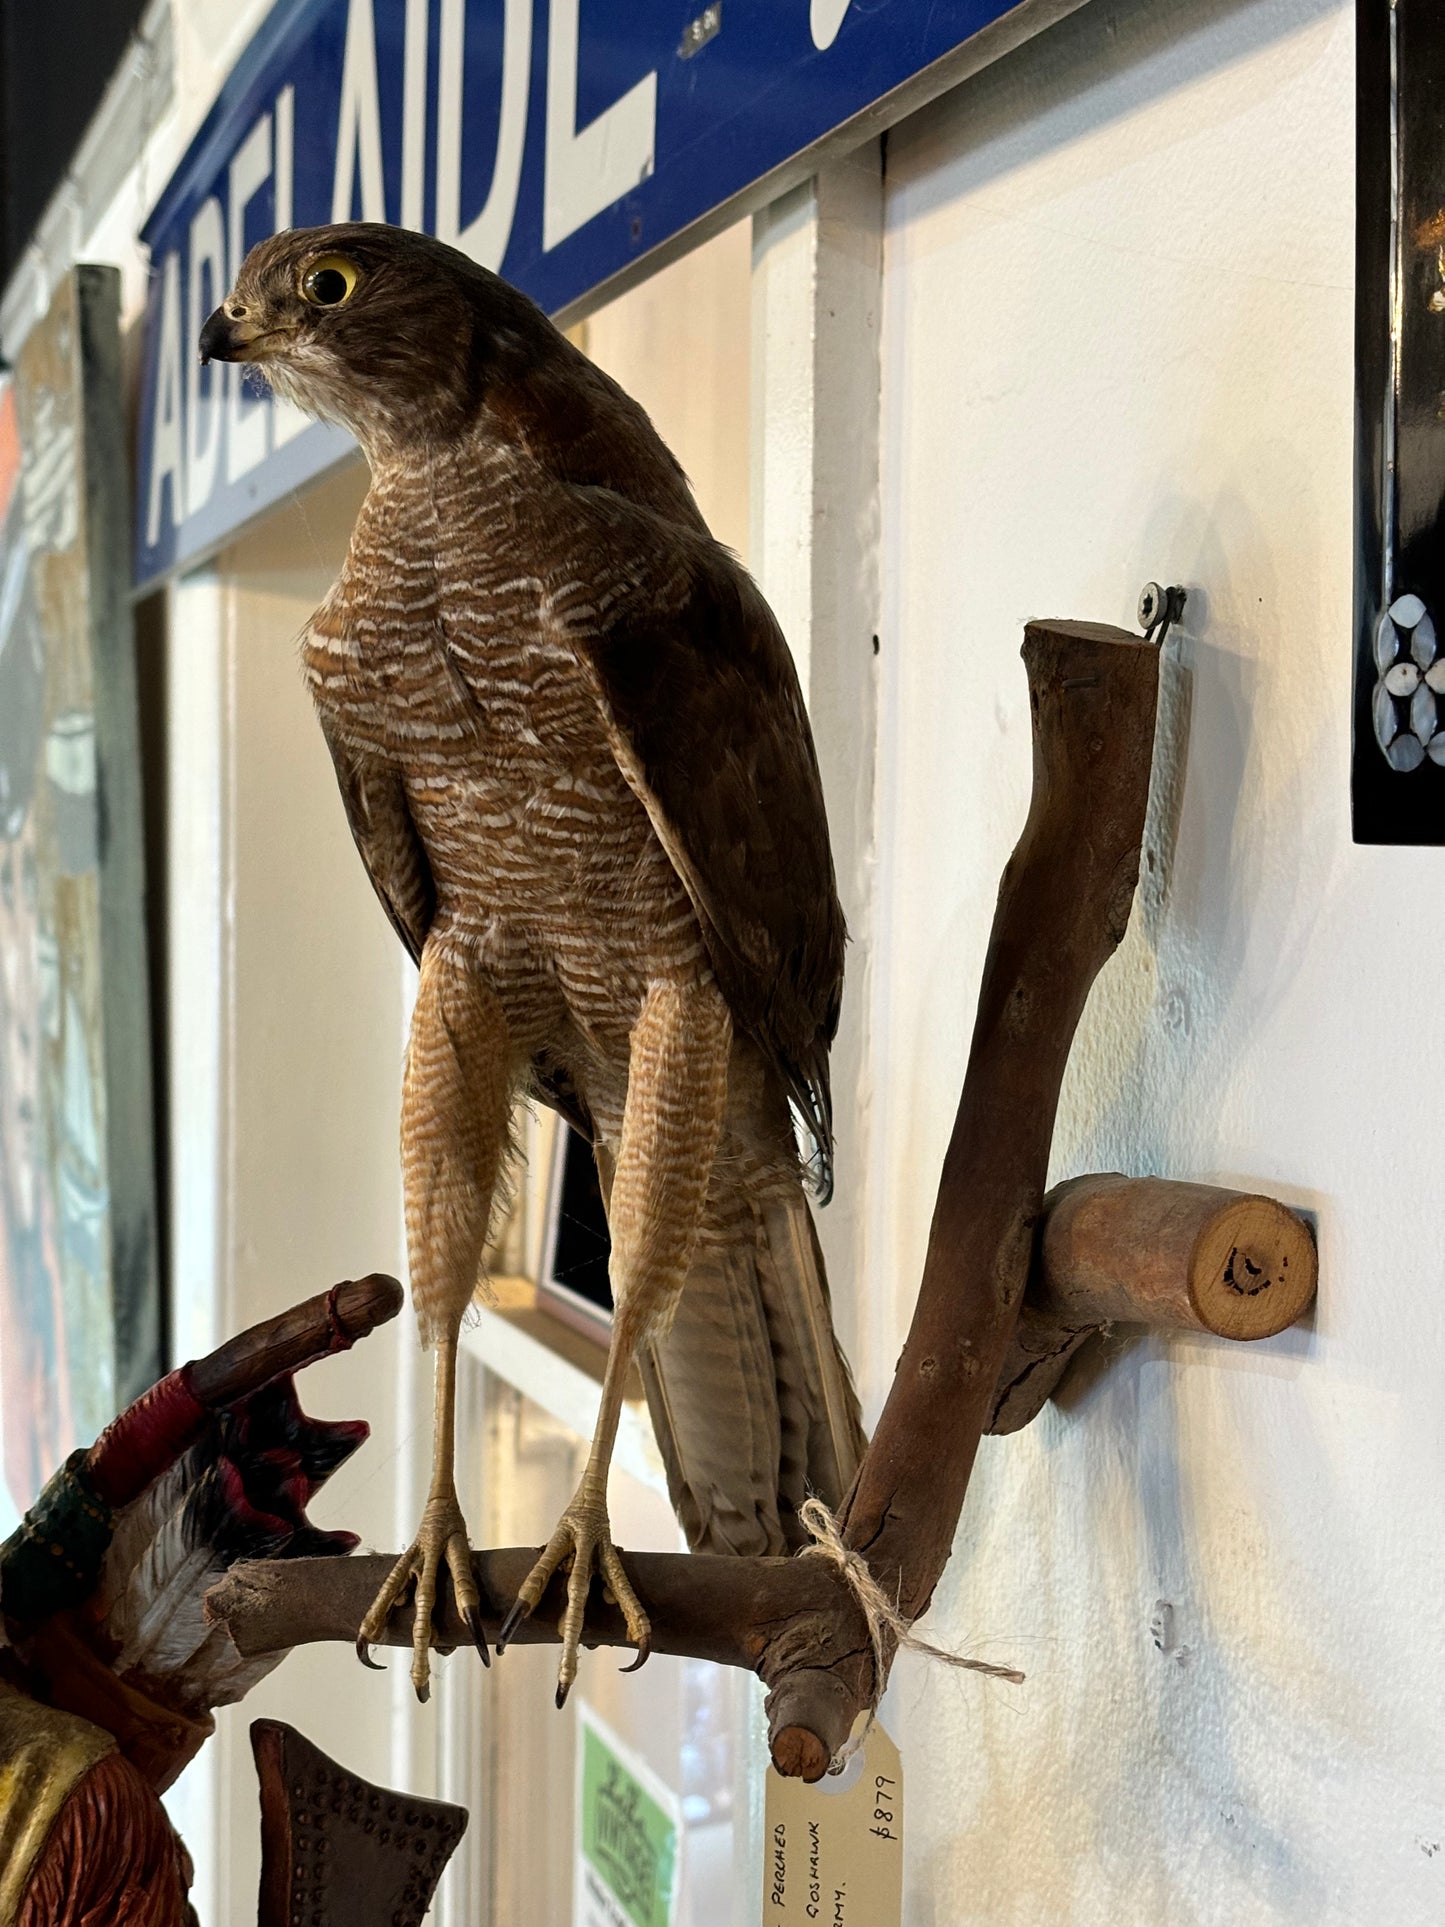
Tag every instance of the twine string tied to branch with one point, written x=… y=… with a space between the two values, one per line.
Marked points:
x=886 y=1625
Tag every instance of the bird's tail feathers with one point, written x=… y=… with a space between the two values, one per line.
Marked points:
x=751 y=1398
x=821 y=1419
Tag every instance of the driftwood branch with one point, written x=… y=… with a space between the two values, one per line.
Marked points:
x=737 y=1612
x=1063 y=907
x=1112 y=1249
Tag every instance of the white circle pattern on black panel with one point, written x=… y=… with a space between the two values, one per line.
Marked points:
x=1409 y=724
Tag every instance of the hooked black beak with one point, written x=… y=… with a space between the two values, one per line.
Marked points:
x=231 y=336
x=218 y=340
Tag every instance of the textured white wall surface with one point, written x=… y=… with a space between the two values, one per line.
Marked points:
x=1117 y=345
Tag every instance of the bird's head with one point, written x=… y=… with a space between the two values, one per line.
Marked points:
x=389 y=332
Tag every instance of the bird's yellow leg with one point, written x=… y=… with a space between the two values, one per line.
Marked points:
x=442 y=1536
x=583 y=1543
x=676 y=1093
x=454 y=1120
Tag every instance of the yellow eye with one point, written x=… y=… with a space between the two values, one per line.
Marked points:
x=329 y=282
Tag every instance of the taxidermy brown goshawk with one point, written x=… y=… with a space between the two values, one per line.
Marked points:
x=575 y=758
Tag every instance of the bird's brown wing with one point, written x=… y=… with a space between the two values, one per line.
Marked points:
x=387 y=838
x=395 y=857
x=706 y=718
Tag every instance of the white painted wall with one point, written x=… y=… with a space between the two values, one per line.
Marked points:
x=1117 y=345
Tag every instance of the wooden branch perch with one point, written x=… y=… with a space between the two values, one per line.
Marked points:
x=702 y=1605
x=1110 y=1250
x=1063 y=907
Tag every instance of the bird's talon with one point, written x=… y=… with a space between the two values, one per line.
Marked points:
x=520 y=1611
x=644 y=1653
x=363 y=1653
x=472 y=1620
x=442 y=1538
x=582 y=1547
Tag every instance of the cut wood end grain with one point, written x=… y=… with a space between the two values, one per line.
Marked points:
x=1254 y=1269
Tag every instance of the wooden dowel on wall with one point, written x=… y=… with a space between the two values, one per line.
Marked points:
x=1156 y=1251
x=1151 y=1251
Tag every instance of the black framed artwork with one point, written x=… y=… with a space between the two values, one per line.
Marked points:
x=1398 y=764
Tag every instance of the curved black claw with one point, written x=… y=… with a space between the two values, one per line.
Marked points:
x=563 y=1689
x=644 y=1653
x=520 y=1611
x=363 y=1653
x=472 y=1620
x=440 y=1545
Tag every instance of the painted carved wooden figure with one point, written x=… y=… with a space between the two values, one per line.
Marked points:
x=110 y=1666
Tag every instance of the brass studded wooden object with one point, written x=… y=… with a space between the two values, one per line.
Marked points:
x=337 y=1851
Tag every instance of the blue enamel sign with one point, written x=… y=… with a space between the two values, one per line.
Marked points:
x=557 y=141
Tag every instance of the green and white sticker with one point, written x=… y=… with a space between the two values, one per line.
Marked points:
x=629 y=1829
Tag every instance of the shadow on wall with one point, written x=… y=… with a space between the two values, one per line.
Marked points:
x=1209 y=1710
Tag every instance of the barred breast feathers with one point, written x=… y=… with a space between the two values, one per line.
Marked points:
x=448 y=661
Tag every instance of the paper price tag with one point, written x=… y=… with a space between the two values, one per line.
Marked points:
x=833 y=1852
